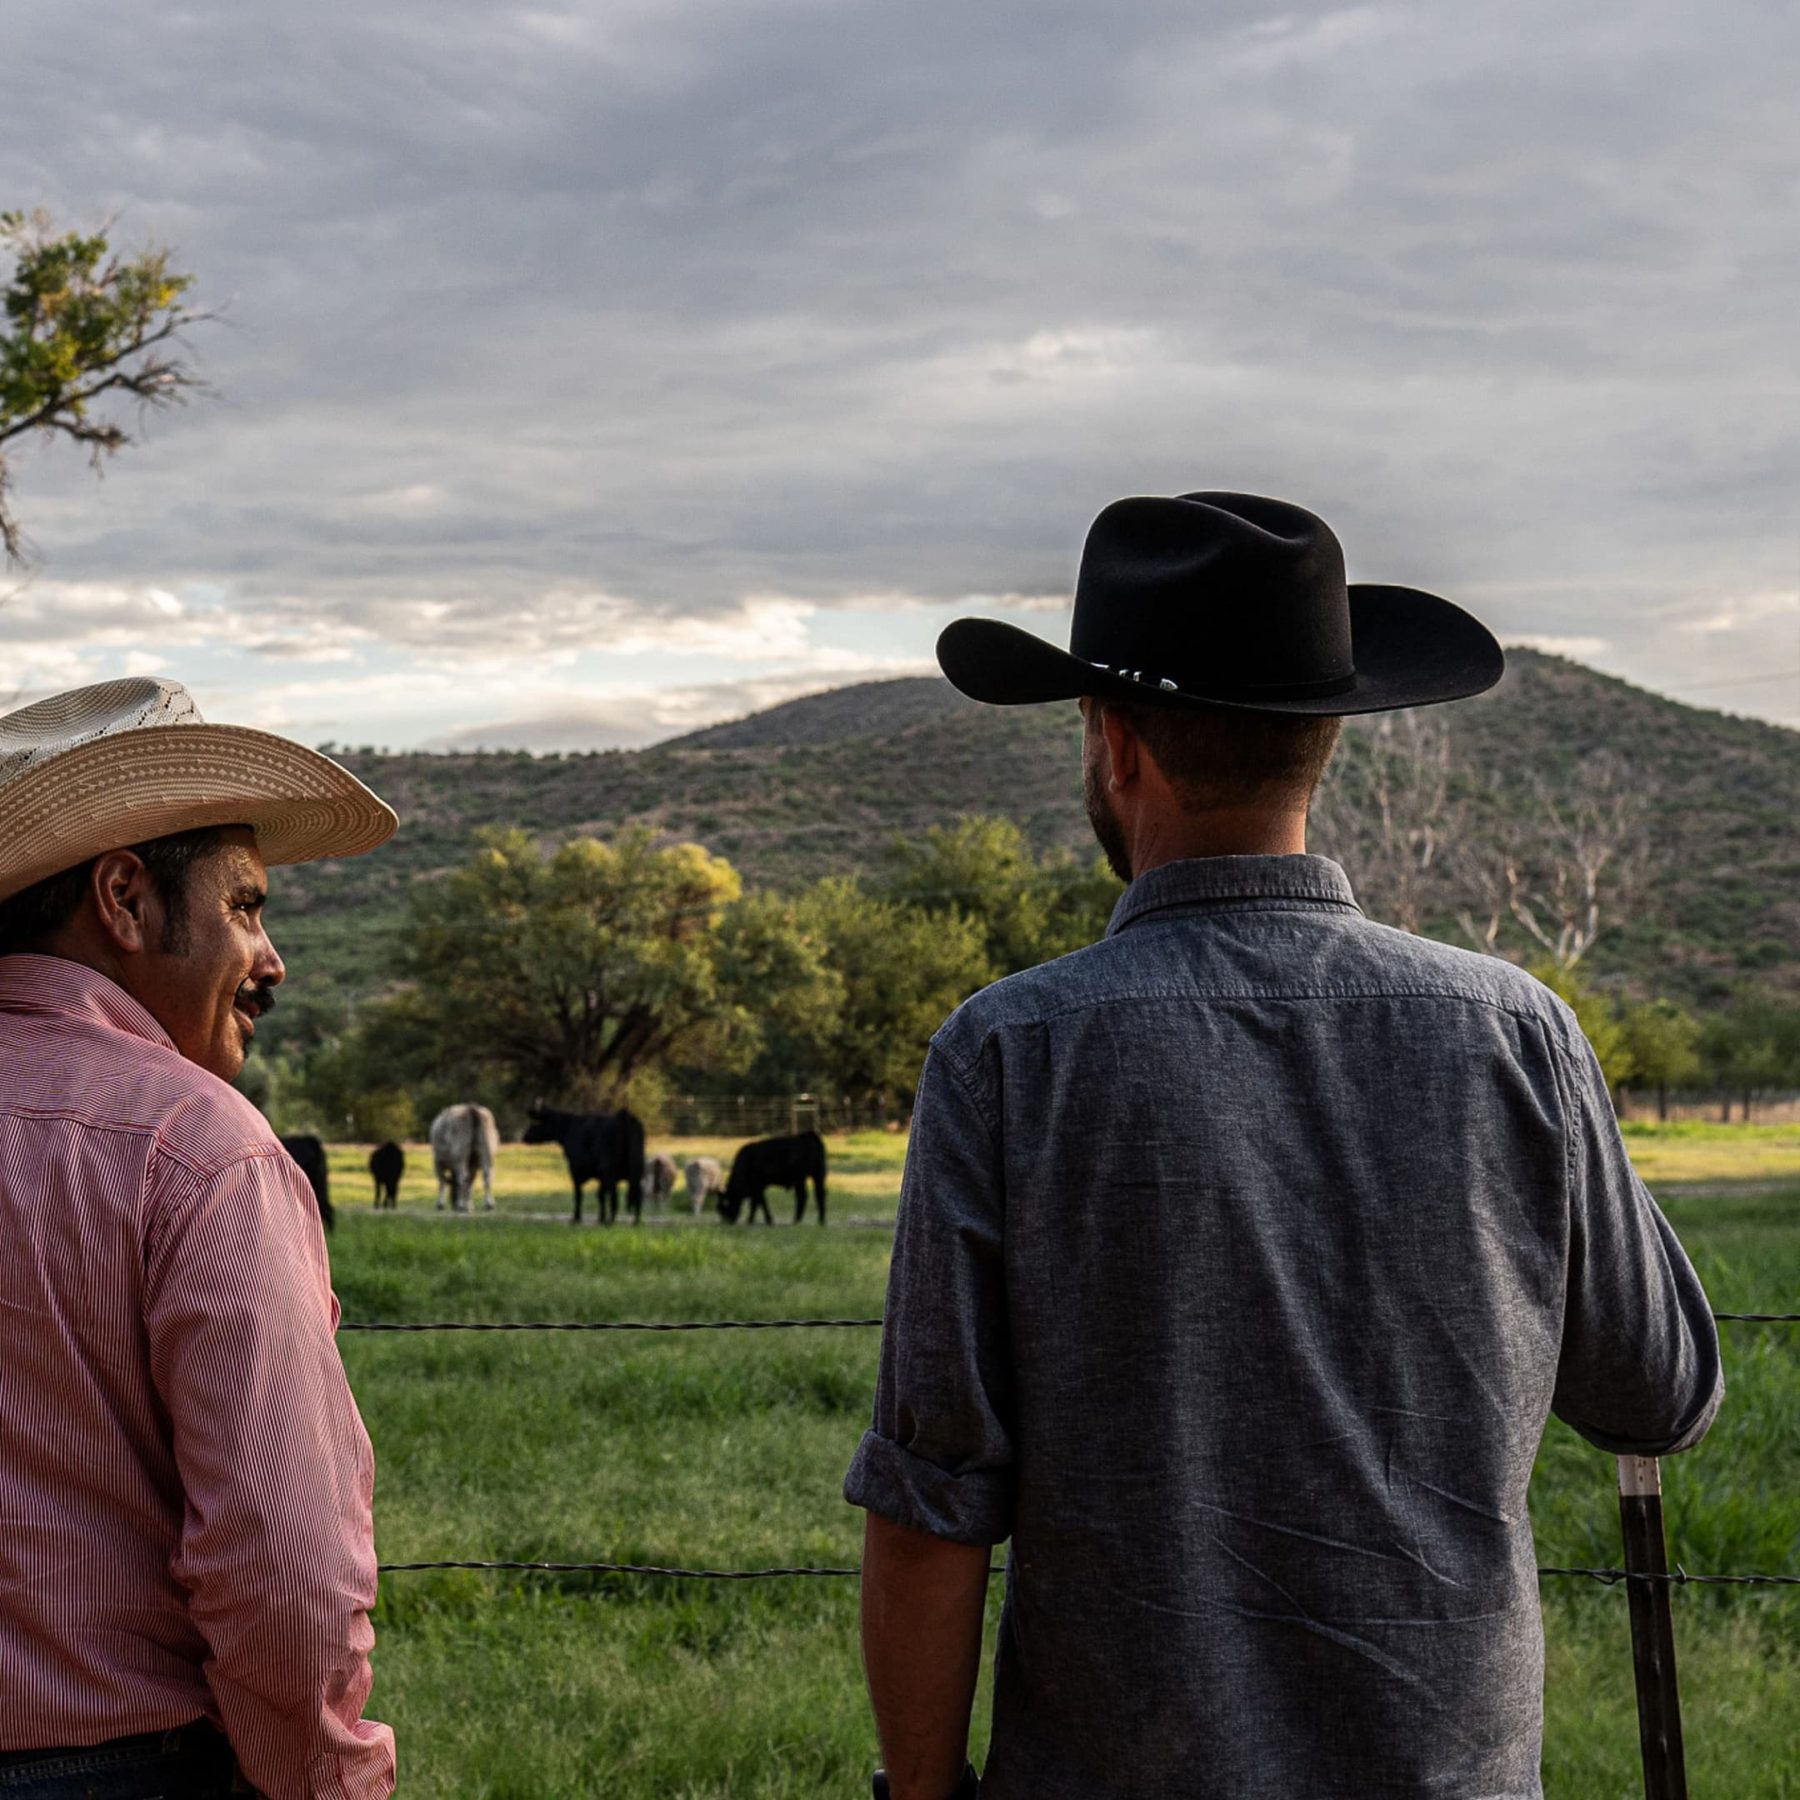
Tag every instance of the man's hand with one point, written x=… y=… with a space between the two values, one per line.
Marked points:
x=922 y=1604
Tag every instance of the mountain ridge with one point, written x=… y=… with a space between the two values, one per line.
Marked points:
x=823 y=784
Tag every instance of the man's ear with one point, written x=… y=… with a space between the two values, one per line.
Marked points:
x=125 y=900
x=1123 y=747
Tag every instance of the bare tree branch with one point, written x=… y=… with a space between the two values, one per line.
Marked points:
x=1384 y=812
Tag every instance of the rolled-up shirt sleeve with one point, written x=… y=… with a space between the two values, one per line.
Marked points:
x=277 y=1547
x=939 y=1454
x=1639 y=1372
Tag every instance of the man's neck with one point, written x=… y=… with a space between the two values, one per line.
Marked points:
x=75 y=946
x=1243 y=832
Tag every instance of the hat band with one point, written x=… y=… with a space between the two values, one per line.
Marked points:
x=1277 y=690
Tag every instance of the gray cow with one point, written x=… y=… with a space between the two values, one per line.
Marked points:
x=464 y=1140
x=705 y=1181
x=659 y=1181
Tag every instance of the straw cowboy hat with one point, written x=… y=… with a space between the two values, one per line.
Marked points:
x=101 y=767
x=1234 y=601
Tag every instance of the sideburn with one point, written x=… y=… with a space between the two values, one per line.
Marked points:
x=1104 y=820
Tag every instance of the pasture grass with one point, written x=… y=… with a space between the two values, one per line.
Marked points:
x=1695 y=1150
x=728 y=1449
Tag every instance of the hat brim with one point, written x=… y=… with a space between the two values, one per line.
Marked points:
x=131 y=786
x=1411 y=649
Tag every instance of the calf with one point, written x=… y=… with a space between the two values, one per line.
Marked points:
x=387 y=1163
x=604 y=1148
x=788 y=1162
x=659 y=1181
x=705 y=1181
x=309 y=1153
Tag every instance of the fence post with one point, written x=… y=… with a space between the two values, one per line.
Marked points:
x=1652 y=1629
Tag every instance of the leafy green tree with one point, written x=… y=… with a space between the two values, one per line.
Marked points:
x=1597 y=1016
x=1752 y=1049
x=1663 y=1043
x=84 y=326
x=1027 y=910
x=776 y=974
x=353 y=1087
x=903 y=971
x=569 y=972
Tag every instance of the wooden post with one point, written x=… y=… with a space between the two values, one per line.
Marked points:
x=1652 y=1629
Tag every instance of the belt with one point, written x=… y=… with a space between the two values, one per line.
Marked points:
x=197 y=1734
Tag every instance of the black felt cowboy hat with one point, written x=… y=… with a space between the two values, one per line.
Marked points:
x=1229 y=600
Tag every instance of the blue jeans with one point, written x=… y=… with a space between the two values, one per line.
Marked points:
x=190 y=1764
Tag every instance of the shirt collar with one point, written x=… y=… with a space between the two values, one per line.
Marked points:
x=1216 y=881
x=53 y=985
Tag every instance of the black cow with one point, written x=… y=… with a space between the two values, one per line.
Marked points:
x=387 y=1163
x=788 y=1162
x=309 y=1153
x=604 y=1148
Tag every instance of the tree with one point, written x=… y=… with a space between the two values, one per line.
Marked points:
x=903 y=970
x=1565 y=869
x=1597 y=1016
x=84 y=326
x=1663 y=1044
x=775 y=974
x=1752 y=1049
x=351 y=1088
x=1384 y=810
x=573 y=971
x=983 y=869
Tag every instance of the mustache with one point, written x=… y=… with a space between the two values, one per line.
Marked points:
x=257 y=998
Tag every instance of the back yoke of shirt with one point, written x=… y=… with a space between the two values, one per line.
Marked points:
x=1241 y=1258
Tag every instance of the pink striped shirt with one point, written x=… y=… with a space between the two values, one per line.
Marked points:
x=185 y=1484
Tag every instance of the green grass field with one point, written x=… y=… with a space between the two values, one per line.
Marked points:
x=727 y=1449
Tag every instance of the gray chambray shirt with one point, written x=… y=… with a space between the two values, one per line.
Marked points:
x=1241 y=1257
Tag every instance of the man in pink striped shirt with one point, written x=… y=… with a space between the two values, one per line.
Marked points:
x=187 y=1561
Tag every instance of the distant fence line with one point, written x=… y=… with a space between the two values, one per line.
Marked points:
x=1710 y=1105
x=763 y=1115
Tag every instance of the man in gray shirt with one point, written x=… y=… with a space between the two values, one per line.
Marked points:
x=1243 y=1255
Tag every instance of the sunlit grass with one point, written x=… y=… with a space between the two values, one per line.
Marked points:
x=1698 y=1151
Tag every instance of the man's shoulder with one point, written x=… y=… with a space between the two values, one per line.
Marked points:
x=206 y=1121
x=137 y=1088
x=1403 y=962
x=1343 y=956
x=1079 y=978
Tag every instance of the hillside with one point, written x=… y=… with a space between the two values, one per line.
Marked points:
x=824 y=784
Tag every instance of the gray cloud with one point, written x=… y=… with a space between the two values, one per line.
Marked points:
x=675 y=302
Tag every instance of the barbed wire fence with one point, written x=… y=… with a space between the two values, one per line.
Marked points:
x=1646 y=1576
x=1677 y=1577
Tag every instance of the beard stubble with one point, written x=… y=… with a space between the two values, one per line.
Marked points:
x=1104 y=821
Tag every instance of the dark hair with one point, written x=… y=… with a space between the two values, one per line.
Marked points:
x=1219 y=758
x=32 y=917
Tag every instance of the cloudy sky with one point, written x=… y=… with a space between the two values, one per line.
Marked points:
x=592 y=371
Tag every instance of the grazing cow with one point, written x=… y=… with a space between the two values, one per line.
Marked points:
x=604 y=1148
x=309 y=1153
x=387 y=1163
x=705 y=1181
x=659 y=1181
x=787 y=1162
x=464 y=1140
